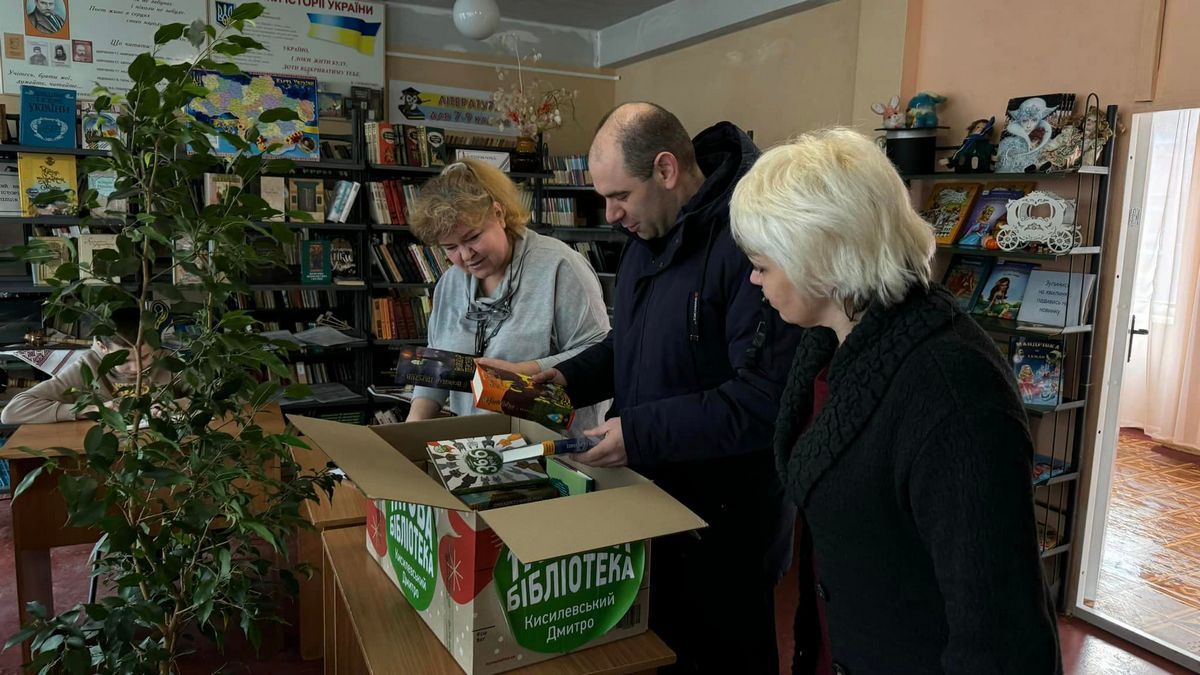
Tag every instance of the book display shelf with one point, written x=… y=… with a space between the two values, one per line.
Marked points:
x=1051 y=363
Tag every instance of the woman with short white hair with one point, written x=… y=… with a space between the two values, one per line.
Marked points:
x=901 y=436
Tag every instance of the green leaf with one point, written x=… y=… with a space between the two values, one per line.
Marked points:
x=110 y=361
x=28 y=480
x=278 y=115
x=141 y=71
x=246 y=11
x=262 y=531
x=298 y=391
x=169 y=32
x=247 y=42
x=224 y=560
x=229 y=49
x=77 y=661
x=20 y=636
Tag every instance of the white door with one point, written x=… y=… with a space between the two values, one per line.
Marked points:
x=1120 y=336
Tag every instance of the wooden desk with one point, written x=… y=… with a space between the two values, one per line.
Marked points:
x=348 y=508
x=39 y=514
x=371 y=628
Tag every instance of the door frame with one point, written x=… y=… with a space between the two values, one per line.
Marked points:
x=1108 y=429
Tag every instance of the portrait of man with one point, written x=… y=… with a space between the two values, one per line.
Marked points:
x=37 y=56
x=81 y=51
x=46 y=17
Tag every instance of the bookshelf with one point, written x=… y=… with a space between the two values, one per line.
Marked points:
x=1058 y=429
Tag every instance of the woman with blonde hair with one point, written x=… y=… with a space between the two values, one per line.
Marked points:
x=522 y=300
x=900 y=436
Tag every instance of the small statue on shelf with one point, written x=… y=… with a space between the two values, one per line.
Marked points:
x=976 y=152
x=922 y=110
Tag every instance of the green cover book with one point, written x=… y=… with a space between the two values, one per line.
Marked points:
x=315 y=264
x=568 y=480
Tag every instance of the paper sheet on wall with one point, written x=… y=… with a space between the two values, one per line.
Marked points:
x=77 y=44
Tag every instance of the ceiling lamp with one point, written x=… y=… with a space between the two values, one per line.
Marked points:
x=476 y=18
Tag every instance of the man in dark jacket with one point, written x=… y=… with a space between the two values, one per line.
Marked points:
x=695 y=365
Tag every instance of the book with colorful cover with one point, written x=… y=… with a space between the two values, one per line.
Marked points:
x=315 y=265
x=475 y=464
x=40 y=173
x=47 y=117
x=99 y=128
x=501 y=497
x=569 y=480
x=1002 y=294
x=274 y=191
x=435 y=142
x=105 y=184
x=1037 y=366
x=1045 y=468
x=989 y=213
x=10 y=190
x=947 y=209
x=517 y=395
x=964 y=278
x=437 y=368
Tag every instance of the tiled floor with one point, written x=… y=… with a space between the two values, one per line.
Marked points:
x=1150 y=572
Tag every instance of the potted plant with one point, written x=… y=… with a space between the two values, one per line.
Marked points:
x=176 y=475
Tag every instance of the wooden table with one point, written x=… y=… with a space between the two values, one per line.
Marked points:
x=39 y=514
x=371 y=628
x=348 y=508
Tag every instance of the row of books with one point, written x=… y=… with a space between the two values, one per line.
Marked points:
x=604 y=257
x=49 y=120
x=405 y=145
x=401 y=318
x=290 y=299
x=1020 y=291
x=970 y=214
x=309 y=195
x=389 y=200
x=569 y=170
x=559 y=211
x=35 y=173
x=407 y=262
x=319 y=372
x=61 y=250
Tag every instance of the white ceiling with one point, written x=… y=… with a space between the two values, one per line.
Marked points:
x=591 y=14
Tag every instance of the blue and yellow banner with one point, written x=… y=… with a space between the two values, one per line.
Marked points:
x=344 y=30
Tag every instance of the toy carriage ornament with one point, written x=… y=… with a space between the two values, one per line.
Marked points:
x=1058 y=231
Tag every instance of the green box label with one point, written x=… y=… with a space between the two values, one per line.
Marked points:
x=563 y=603
x=412 y=548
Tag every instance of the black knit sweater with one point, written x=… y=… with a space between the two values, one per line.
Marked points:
x=915 y=480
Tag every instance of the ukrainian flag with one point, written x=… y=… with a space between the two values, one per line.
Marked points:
x=344 y=30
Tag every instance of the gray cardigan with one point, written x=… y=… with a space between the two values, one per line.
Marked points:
x=557 y=311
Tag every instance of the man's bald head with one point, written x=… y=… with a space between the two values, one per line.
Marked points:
x=637 y=133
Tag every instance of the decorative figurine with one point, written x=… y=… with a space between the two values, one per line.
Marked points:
x=922 y=110
x=1059 y=232
x=892 y=117
x=975 y=153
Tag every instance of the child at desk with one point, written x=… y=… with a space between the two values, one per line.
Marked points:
x=54 y=400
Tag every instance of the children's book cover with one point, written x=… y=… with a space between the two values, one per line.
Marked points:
x=518 y=396
x=1037 y=365
x=437 y=368
x=989 y=212
x=965 y=277
x=1002 y=294
x=473 y=464
x=1033 y=134
x=947 y=209
x=40 y=173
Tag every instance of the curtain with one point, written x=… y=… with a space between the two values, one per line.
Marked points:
x=1160 y=390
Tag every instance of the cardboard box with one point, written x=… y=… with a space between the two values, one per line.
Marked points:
x=512 y=586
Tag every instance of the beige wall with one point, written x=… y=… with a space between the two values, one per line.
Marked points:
x=817 y=68
x=595 y=95
x=982 y=54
